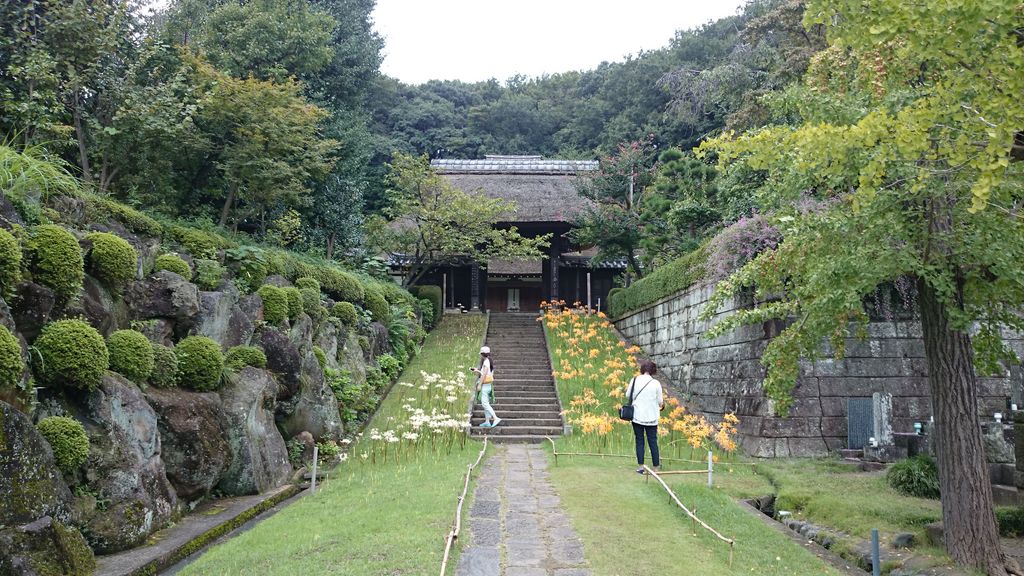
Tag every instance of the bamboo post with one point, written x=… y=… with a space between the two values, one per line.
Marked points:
x=588 y=292
x=711 y=469
x=312 y=482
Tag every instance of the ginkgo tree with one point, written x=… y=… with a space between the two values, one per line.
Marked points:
x=901 y=165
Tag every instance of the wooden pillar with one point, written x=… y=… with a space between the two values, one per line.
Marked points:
x=474 y=287
x=556 y=253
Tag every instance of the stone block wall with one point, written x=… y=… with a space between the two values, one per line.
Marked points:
x=725 y=375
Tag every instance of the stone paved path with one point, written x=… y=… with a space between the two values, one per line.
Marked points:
x=517 y=524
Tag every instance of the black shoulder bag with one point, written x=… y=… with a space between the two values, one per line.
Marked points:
x=626 y=412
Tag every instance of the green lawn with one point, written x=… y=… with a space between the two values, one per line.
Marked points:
x=372 y=518
x=616 y=512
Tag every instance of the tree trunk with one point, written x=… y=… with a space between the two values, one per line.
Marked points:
x=971 y=537
x=631 y=258
x=227 y=207
x=83 y=153
x=330 y=245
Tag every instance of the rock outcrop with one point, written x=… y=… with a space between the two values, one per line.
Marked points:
x=164 y=295
x=42 y=547
x=31 y=486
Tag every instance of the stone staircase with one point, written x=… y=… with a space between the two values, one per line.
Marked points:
x=524 y=391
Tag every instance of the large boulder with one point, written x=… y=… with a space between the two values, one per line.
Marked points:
x=283 y=359
x=327 y=339
x=98 y=307
x=301 y=332
x=351 y=358
x=193 y=439
x=259 y=457
x=164 y=295
x=222 y=318
x=314 y=408
x=33 y=305
x=380 y=339
x=45 y=546
x=125 y=467
x=31 y=486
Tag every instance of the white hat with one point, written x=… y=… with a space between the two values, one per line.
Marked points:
x=485 y=350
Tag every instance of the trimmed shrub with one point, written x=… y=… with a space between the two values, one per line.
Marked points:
x=71 y=353
x=56 y=259
x=312 y=304
x=389 y=365
x=199 y=243
x=275 y=304
x=394 y=293
x=671 y=278
x=917 y=476
x=131 y=355
x=200 y=363
x=377 y=306
x=307 y=283
x=426 y=312
x=433 y=293
x=241 y=356
x=1011 y=522
x=173 y=263
x=209 y=274
x=321 y=356
x=165 y=367
x=98 y=208
x=112 y=259
x=10 y=263
x=338 y=285
x=346 y=312
x=68 y=440
x=295 y=303
x=11 y=364
x=364 y=343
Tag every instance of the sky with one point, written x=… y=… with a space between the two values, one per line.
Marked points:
x=473 y=40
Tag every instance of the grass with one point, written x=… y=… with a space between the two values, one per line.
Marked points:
x=616 y=512
x=370 y=518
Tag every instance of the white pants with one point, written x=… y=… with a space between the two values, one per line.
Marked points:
x=485 y=400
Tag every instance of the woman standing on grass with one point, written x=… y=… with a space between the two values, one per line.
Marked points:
x=645 y=392
x=485 y=386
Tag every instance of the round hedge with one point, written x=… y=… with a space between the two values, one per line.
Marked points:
x=68 y=440
x=10 y=262
x=241 y=356
x=346 y=312
x=71 y=353
x=131 y=355
x=200 y=363
x=111 y=259
x=295 y=304
x=165 y=367
x=56 y=260
x=275 y=304
x=307 y=282
x=339 y=285
x=377 y=305
x=173 y=263
x=209 y=274
x=11 y=364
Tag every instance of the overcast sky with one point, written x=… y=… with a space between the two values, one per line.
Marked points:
x=475 y=40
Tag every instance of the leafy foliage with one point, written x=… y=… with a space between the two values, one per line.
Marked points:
x=433 y=294
x=209 y=274
x=375 y=303
x=131 y=355
x=275 y=304
x=10 y=263
x=241 y=356
x=917 y=476
x=70 y=353
x=68 y=439
x=346 y=312
x=307 y=282
x=165 y=367
x=671 y=278
x=200 y=363
x=111 y=258
x=55 y=259
x=12 y=367
x=173 y=263
x=295 y=301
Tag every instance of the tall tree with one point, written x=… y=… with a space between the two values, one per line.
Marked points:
x=433 y=223
x=905 y=146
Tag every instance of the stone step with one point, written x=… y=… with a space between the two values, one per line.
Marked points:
x=524 y=388
x=527 y=422
x=538 y=406
x=514 y=412
x=510 y=439
x=504 y=429
x=539 y=394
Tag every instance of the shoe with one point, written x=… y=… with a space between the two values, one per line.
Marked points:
x=496 y=422
x=487 y=425
x=640 y=471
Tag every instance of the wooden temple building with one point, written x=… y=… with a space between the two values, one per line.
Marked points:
x=544 y=191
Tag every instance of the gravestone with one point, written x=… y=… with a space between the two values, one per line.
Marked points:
x=881 y=409
x=859 y=422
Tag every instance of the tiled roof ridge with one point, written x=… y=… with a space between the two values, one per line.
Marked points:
x=513 y=165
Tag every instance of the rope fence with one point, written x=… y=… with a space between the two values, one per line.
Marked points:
x=657 y=476
x=453 y=534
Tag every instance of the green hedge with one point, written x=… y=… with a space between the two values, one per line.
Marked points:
x=346 y=312
x=671 y=278
x=70 y=353
x=11 y=365
x=200 y=363
x=10 y=263
x=112 y=259
x=295 y=303
x=131 y=355
x=56 y=259
x=306 y=282
x=99 y=209
x=275 y=304
x=165 y=367
x=173 y=263
x=377 y=306
x=433 y=293
x=239 y=357
x=68 y=440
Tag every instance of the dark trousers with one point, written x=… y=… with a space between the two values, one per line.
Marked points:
x=652 y=438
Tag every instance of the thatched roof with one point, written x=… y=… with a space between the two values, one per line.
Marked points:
x=543 y=190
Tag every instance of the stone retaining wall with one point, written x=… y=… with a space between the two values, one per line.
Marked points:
x=725 y=374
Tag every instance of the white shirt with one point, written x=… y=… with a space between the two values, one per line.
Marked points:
x=646 y=400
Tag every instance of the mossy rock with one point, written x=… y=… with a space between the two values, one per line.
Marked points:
x=321 y=356
x=165 y=367
x=378 y=306
x=111 y=259
x=200 y=363
x=70 y=353
x=209 y=274
x=45 y=547
x=200 y=243
x=346 y=312
x=173 y=263
x=131 y=355
x=99 y=209
x=68 y=440
x=307 y=283
x=12 y=366
x=55 y=260
x=10 y=263
x=239 y=357
x=275 y=304
x=295 y=303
